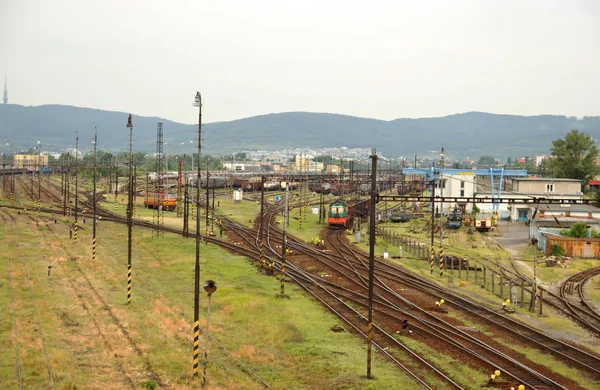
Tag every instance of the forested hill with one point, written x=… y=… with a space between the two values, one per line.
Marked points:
x=470 y=134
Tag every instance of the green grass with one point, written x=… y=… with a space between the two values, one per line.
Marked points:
x=288 y=343
x=461 y=373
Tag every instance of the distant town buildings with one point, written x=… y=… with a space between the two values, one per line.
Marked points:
x=537 y=160
x=32 y=162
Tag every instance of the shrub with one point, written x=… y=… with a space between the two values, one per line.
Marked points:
x=557 y=250
x=149 y=384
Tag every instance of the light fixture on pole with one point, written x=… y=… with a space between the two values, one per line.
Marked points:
x=210 y=287
x=197 y=103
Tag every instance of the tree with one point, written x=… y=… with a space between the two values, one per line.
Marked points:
x=578 y=230
x=574 y=157
x=487 y=161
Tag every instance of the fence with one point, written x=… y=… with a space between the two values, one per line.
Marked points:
x=519 y=292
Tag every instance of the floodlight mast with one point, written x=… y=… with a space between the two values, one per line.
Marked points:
x=197 y=103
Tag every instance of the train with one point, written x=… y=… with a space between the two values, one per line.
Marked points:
x=342 y=214
x=483 y=221
x=455 y=218
x=153 y=200
x=400 y=216
x=412 y=187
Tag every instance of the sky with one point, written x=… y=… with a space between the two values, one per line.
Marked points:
x=381 y=59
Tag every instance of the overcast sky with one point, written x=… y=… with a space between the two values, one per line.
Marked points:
x=378 y=59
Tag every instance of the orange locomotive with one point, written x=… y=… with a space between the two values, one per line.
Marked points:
x=153 y=200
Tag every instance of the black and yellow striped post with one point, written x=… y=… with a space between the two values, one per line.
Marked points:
x=196 y=347
x=75 y=232
x=12 y=198
x=369 y=342
x=116 y=201
x=261 y=264
x=128 y=283
x=441 y=261
x=431 y=258
x=94 y=249
x=282 y=279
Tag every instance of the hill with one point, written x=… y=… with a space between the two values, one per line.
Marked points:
x=468 y=134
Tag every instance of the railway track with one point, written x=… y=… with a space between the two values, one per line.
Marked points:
x=529 y=376
x=308 y=282
x=580 y=311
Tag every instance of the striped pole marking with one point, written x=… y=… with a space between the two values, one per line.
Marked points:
x=282 y=282
x=94 y=249
x=369 y=342
x=441 y=261
x=128 y=283
x=431 y=257
x=12 y=198
x=193 y=212
x=261 y=265
x=75 y=232
x=196 y=350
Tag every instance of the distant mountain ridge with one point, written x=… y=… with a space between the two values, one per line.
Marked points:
x=468 y=134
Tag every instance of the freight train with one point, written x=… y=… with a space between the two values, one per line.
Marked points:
x=412 y=187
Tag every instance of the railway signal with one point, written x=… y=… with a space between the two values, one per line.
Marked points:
x=210 y=287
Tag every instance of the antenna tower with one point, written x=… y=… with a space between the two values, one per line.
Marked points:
x=5 y=96
x=158 y=217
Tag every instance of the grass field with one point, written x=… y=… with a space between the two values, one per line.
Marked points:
x=83 y=314
x=287 y=343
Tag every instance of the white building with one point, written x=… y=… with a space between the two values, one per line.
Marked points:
x=529 y=188
x=537 y=160
x=461 y=185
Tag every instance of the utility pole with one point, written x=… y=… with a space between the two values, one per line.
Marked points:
x=432 y=255
x=129 y=209
x=441 y=217
x=198 y=103
x=207 y=196
x=94 y=216
x=371 y=259
x=262 y=202
x=76 y=182
x=284 y=241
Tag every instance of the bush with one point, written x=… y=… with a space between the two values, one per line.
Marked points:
x=149 y=384
x=475 y=209
x=578 y=230
x=557 y=250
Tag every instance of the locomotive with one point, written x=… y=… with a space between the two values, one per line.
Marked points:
x=455 y=218
x=483 y=221
x=342 y=214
